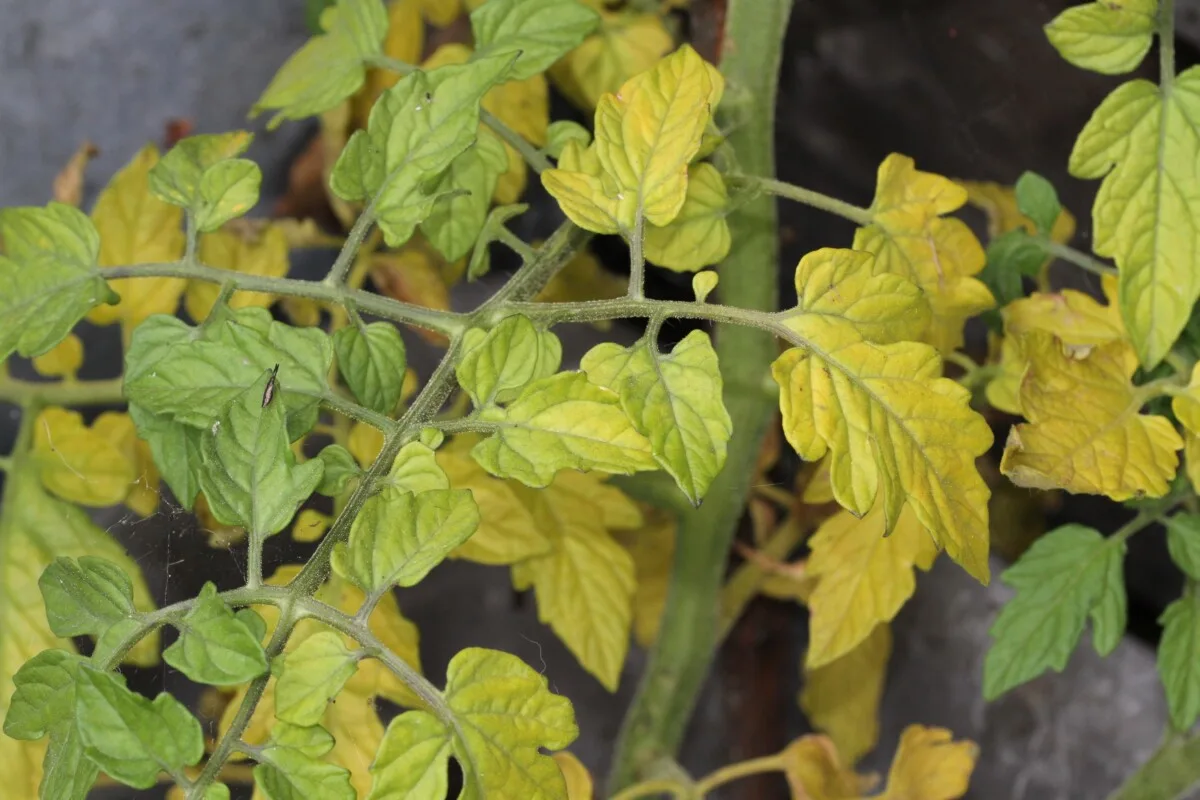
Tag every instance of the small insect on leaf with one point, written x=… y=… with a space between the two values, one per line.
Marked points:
x=269 y=392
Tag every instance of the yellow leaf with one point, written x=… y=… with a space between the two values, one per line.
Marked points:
x=842 y=284
x=68 y=183
x=930 y=765
x=910 y=237
x=118 y=429
x=136 y=227
x=1187 y=404
x=1003 y=391
x=863 y=578
x=1074 y=317
x=814 y=771
x=1144 y=142
x=1191 y=455
x=890 y=423
x=699 y=236
x=404 y=42
x=441 y=12
x=999 y=203
x=653 y=549
x=585 y=584
x=579 y=780
x=247 y=249
x=842 y=698
x=364 y=443
x=352 y=719
x=63 y=361
x=78 y=463
x=310 y=525
x=301 y=311
x=35 y=528
x=626 y=44
x=507 y=532
x=819 y=489
x=648 y=132
x=1084 y=433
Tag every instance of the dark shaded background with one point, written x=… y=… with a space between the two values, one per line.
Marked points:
x=970 y=88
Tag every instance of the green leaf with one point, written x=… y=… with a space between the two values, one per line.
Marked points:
x=562 y=131
x=85 y=596
x=132 y=738
x=340 y=469
x=562 y=422
x=1009 y=256
x=216 y=791
x=481 y=260
x=253 y=622
x=67 y=774
x=454 y=224
x=1143 y=144
x=699 y=234
x=329 y=67
x=416 y=129
x=45 y=695
x=1109 y=36
x=191 y=375
x=250 y=476
x=674 y=401
x=201 y=174
x=505 y=713
x=48 y=276
x=415 y=469
x=1066 y=575
x=372 y=361
x=1037 y=200
x=539 y=31
x=398 y=537
x=1179 y=658
x=214 y=645
x=290 y=768
x=1183 y=542
x=498 y=363
x=412 y=759
x=177 y=452
x=311 y=675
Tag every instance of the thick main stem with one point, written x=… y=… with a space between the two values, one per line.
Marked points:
x=681 y=657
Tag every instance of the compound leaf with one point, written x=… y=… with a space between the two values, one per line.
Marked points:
x=203 y=175
x=498 y=363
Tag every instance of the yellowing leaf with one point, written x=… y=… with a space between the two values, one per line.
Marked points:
x=118 y=429
x=1085 y=433
x=999 y=203
x=310 y=525
x=1146 y=147
x=404 y=42
x=930 y=765
x=910 y=237
x=1186 y=405
x=136 y=227
x=646 y=135
x=838 y=283
x=63 y=361
x=1003 y=391
x=1075 y=318
x=507 y=532
x=842 y=698
x=561 y=422
x=245 y=249
x=364 y=443
x=653 y=550
x=893 y=427
x=699 y=235
x=579 y=780
x=1110 y=37
x=626 y=44
x=77 y=463
x=35 y=528
x=863 y=578
x=68 y=183
x=585 y=584
x=814 y=771
x=441 y=12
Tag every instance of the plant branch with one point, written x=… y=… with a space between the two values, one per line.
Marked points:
x=680 y=659
x=637 y=259
x=445 y=322
x=533 y=157
x=1076 y=257
x=808 y=197
x=335 y=402
x=66 y=393
x=345 y=258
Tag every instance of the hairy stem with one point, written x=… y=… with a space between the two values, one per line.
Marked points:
x=806 y=196
x=65 y=393
x=1078 y=258
x=345 y=258
x=681 y=657
x=637 y=260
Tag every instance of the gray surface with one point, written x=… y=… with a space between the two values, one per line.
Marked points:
x=116 y=71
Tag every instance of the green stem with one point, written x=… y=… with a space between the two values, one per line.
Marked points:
x=1076 y=257
x=552 y=256
x=808 y=197
x=533 y=157
x=445 y=322
x=628 y=308
x=637 y=259
x=335 y=402
x=73 y=393
x=680 y=659
x=345 y=258
x=1166 y=46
